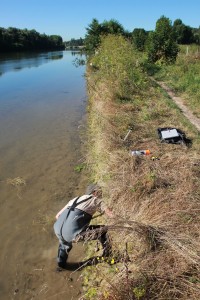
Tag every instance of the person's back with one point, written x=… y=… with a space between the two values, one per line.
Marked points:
x=72 y=220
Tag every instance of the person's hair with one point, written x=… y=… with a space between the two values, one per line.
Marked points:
x=93 y=187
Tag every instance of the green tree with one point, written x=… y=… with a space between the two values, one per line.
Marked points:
x=112 y=27
x=96 y=30
x=92 y=38
x=3 y=39
x=162 y=45
x=13 y=39
x=196 y=34
x=56 y=41
x=117 y=62
x=182 y=32
x=75 y=43
x=139 y=38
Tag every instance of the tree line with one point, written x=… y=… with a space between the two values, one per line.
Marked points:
x=73 y=43
x=162 y=41
x=14 y=39
x=160 y=44
x=183 y=34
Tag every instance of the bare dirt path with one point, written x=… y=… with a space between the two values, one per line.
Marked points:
x=179 y=101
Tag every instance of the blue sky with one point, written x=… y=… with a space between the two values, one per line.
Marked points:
x=69 y=18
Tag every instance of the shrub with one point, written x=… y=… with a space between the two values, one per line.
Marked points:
x=118 y=62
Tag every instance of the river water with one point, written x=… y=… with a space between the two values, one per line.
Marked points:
x=42 y=107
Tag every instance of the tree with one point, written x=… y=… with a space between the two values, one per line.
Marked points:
x=117 y=62
x=183 y=33
x=162 y=45
x=57 y=41
x=13 y=39
x=96 y=30
x=196 y=34
x=139 y=38
x=112 y=27
x=3 y=39
x=92 y=38
x=73 y=43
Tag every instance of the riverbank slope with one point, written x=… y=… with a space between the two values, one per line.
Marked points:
x=155 y=198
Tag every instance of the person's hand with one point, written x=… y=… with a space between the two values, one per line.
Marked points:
x=109 y=213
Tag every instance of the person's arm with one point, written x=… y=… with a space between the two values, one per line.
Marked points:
x=109 y=212
x=106 y=210
x=102 y=208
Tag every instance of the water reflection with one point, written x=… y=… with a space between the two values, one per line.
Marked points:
x=79 y=60
x=19 y=61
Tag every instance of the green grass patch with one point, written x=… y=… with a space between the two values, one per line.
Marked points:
x=184 y=77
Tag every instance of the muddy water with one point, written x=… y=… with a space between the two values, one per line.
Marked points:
x=42 y=105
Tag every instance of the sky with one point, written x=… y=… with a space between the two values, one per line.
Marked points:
x=70 y=18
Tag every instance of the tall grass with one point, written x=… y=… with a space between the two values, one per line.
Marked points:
x=184 y=76
x=155 y=232
x=118 y=63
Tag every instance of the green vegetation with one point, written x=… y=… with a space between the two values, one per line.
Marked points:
x=184 y=76
x=124 y=71
x=79 y=168
x=74 y=43
x=14 y=39
x=184 y=34
x=161 y=43
x=139 y=38
x=155 y=232
x=95 y=30
x=162 y=46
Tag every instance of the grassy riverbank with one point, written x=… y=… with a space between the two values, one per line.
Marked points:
x=155 y=232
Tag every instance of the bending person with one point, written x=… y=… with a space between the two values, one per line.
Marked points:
x=73 y=223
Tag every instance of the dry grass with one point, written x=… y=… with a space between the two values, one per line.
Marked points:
x=156 y=203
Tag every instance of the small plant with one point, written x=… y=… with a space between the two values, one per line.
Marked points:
x=193 y=279
x=79 y=168
x=139 y=292
x=91 y=293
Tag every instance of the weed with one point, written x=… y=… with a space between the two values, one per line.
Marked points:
x=139 y=292
x=79 y=168
x=91 y=293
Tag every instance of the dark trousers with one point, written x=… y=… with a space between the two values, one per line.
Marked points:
x=93 y=232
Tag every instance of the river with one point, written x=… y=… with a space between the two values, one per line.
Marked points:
x=42 y=107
